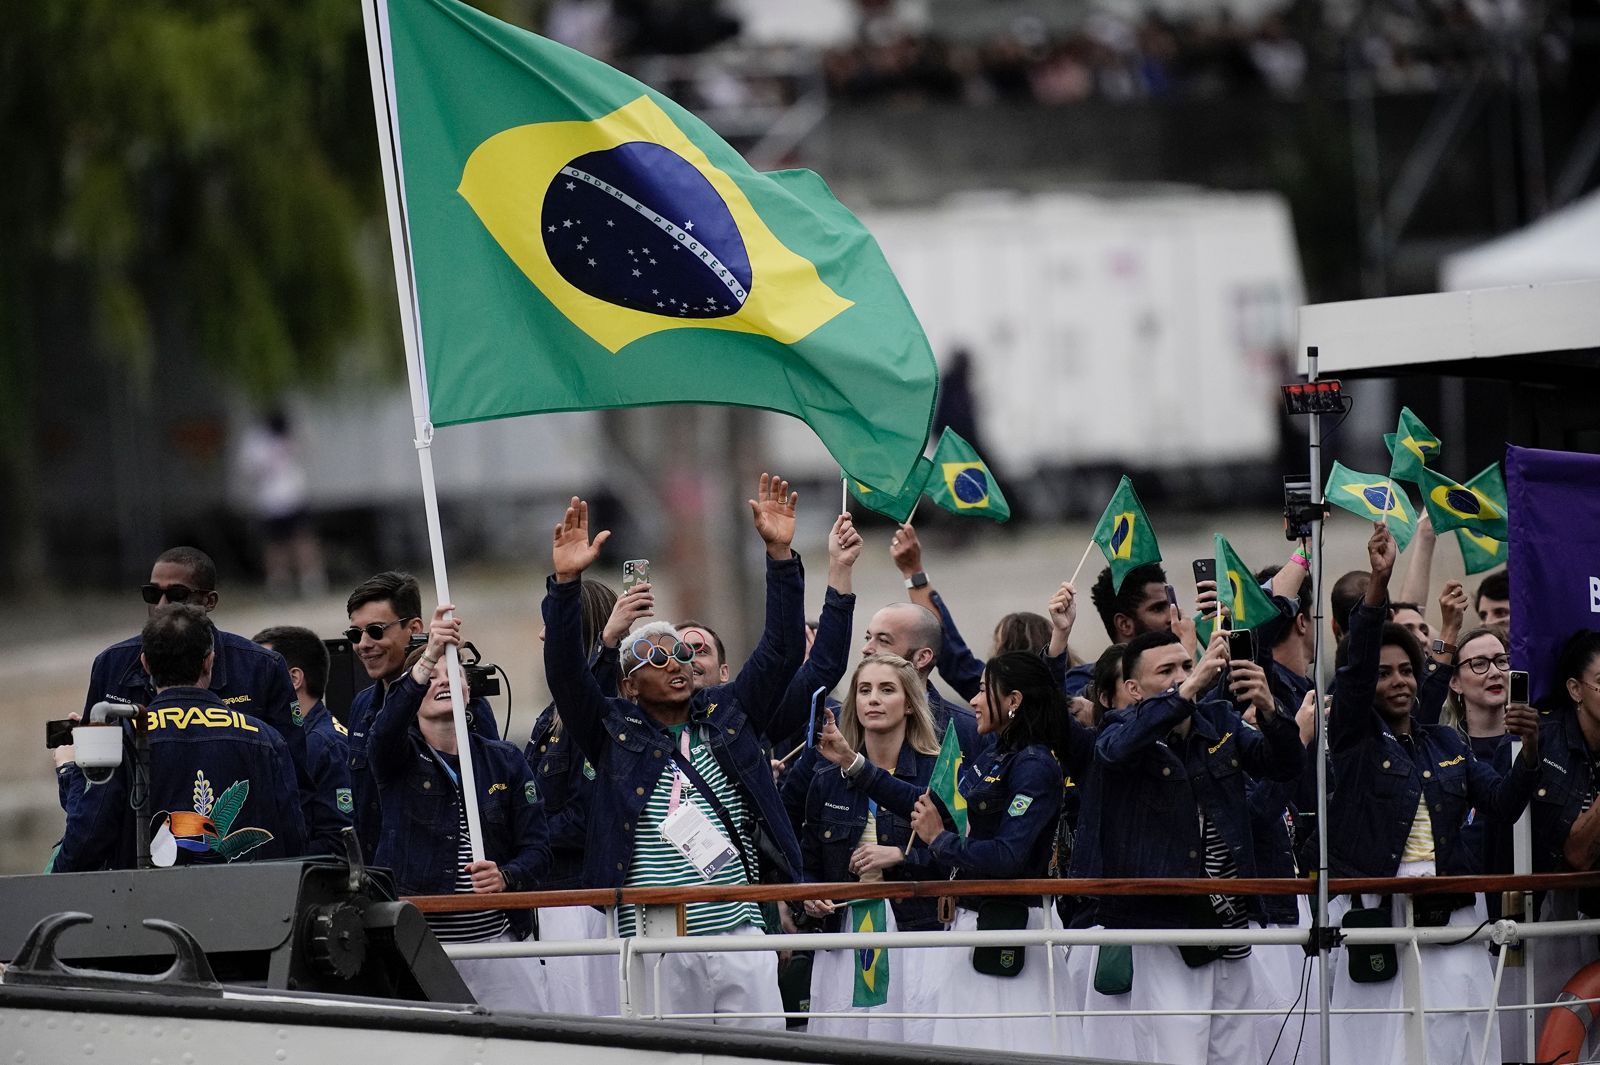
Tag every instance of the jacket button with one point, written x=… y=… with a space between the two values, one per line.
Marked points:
x=1234 y=762
x=658 y=752
x=638 y=791
x=619 y=867
x=622 y=737
x=733 y=732
x=1427 y=774
x=983 y=806
x=427 y=784
x=1541 y=793
x=627 y=826
x=827 y=833
x=1166 y=770
x=1194 y=854
x=1386 y=763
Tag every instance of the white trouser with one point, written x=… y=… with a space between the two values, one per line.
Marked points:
x=833 y=984
x=1452 y=975
x=505 y=983
x=962 y=989
x=1162 y=980
x=585 y=986
x=744 y=981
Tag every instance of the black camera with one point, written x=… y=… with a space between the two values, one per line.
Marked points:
x=482 y=677
x=1298 y=509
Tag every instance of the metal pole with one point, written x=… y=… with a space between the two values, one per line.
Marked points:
x=1319 y=919
x=374 y=14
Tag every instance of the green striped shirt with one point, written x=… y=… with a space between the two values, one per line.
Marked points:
x=657 y=863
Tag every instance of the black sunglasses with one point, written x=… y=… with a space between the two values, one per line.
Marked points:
x=373 y=629
x=173 y=593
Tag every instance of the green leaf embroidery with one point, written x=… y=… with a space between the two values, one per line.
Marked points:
x=237 y=844
x=229 y=805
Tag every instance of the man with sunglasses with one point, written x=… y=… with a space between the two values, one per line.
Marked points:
x=667 y=756
x=385 y=612
x=244 y=675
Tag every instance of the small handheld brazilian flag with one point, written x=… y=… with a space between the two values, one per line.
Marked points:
x=1480 y=552
x=1459 y=506
x=872 y=963
x=898 y=507
x=1248 y=606
x=1124 y=534
x=962 y=484
x=1411 y=447
x=945 y=781
x=1375 y=498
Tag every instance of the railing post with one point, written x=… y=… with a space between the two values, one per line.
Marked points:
x=1411 y=989
x=650 y=922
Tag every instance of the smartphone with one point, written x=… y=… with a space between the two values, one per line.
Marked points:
x=58 y=733
x=1205 y=569
x=1242 y=645
x=1172 y=597
x=635 y=571
x=1518 y=692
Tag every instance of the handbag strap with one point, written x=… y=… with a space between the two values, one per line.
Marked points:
x=699 y=784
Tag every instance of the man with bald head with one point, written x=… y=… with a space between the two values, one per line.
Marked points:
x=913 y=632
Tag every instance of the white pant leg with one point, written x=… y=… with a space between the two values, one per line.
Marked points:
x=833 y=984
x=568 y=979
x=965 y=990
x=505 y=983
x=1370 y=1039
x=1460 y=975
x=1161 y=980
x=745 y=982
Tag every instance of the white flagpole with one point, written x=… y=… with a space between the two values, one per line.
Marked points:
x=375 y=15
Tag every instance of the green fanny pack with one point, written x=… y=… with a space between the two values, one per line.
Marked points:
x=1000 y=915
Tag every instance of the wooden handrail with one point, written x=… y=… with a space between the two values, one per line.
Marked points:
x=916 y=889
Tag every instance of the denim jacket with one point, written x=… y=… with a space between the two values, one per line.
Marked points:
x=630 y=750
x=1564 y=782
x=1379 y=776
x=1013 y=802
x=1146 y=795
x=329 y=807
x=835 y=816
x=368 y=813
x=222 y=779
x=421 y=816
x=565 y=779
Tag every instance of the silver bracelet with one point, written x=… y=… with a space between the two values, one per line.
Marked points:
x=853 y=770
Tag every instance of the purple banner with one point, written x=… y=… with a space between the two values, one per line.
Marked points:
x=1554 y=554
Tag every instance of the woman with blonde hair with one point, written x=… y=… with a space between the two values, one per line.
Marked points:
x=848 y=836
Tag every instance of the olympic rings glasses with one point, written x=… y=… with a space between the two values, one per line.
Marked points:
x=646 y=653
x=1481 y=664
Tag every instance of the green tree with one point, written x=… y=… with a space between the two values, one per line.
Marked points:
x=198 y=171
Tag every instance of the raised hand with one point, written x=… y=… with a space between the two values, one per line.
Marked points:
x=1206 y=671
x=1248 y=683
x=631 y=606
x=905 y=550
x=1063 y=614
x=1522 y=721
x=831 y=743
x=1453 y=609
x=1205 y=598
x=1381 y=552
x=442 y=632
x=773 y=512
x=844 y=542
x=572 y=551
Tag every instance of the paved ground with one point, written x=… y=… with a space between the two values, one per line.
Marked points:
x=43 y=672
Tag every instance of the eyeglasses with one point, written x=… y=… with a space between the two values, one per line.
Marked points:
x=653 y=654
x=373 y=629
x=173 y=593
x=1481 y=664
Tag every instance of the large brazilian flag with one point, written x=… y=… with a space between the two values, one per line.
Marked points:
x=581 y=242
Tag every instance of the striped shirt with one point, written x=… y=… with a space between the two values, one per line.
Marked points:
x=1419 y=841
x=474 y=926
x=657 y=863
x=1230 y=909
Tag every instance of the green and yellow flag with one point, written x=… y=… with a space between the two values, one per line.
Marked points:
x=1125 y=535
x=1375 y=498
x=898 y=507
x=580 y=242
x=1459 y=506
x=962 y=484
x=1411 y=447
x=1248 y=606
x=945 y=783
x=872 y=963
x=1480 y=552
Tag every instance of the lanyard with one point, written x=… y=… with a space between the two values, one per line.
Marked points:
x=677 y=774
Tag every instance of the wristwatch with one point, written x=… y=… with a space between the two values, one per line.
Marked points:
x=918 y=579
x=1441 y=648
